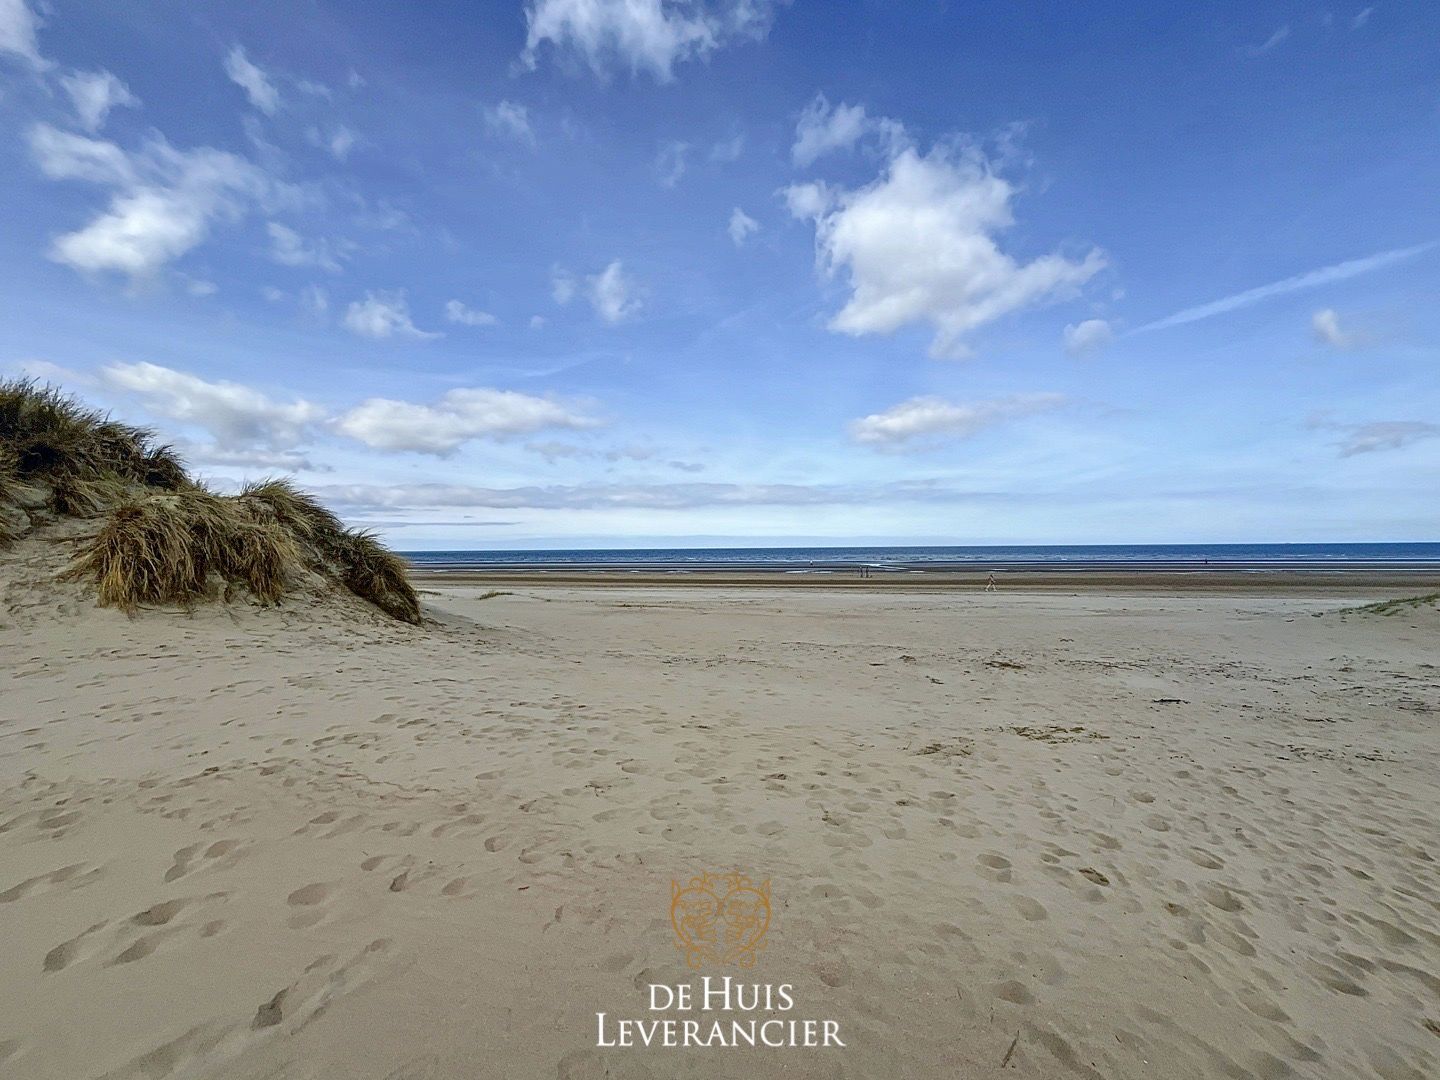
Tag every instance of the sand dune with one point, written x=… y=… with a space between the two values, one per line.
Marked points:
x=1038 y=835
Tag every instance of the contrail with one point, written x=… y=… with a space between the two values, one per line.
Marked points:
x=1313 y=279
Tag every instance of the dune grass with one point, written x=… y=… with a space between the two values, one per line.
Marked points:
x=1395 y=607
x=166 y=539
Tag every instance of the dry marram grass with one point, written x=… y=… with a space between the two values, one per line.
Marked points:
x=166 y=539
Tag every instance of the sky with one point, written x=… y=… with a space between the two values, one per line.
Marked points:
x=553 y=273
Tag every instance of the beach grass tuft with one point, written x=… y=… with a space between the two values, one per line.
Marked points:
x=373 y=571
x=1395 y=607
x=166 y=538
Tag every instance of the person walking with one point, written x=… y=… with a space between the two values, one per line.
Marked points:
x=990 y=585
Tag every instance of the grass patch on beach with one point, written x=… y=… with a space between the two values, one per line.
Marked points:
x=165 y=538
x=1395 y=607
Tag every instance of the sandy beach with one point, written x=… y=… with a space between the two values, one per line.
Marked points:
x=1183 y=834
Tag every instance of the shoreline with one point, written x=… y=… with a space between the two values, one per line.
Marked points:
x=1399 y=582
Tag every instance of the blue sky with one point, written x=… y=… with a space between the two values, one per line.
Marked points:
x=562 y=272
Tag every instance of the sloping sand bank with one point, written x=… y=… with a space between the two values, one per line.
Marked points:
x=1034 y=835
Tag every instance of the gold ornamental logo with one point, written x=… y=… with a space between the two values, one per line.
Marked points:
x=720 y=918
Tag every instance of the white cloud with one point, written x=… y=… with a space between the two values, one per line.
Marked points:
x=289 y=248
x=741 y=226
x=934 y=417
x=457 y=418
x=164 y=204
x=254 y=81
x=384 y=313
x=729 y=149
x=63 y=155
x=511 y=121
x=1312 y=279
x=808 y=200
x=612 y=294
x=537 y=322
x=457 y=312
x=1325 y=324
x=562 y=285
x=643 y=35
x=670 y=163
x=918 y=245
x=257 y=459
x=337 y=143
x=238 y=417
x=823 y=129
x=1361 y=18
x=1269 y=43
x=315 y=302
x=1087 y=336
x=198 y=286
x=374 y=498
x=94 y=94
x=18 y=28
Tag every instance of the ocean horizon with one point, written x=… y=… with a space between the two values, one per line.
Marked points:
x=903 y=558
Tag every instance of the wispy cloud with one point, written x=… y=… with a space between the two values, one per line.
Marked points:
x=1375 y=435
x=1313 y=279
x=253 y=79
x=1269 y=43
x=930 y=419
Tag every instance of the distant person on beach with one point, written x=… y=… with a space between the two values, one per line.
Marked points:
x=990 y=585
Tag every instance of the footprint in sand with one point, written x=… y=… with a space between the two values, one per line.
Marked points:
x=1014 y=992
x=310 y=899
x=995 y=867
x=74 y=877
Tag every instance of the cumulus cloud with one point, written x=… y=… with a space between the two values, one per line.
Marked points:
x=164 y=202
x=1088 y=336
x=933 y=418
x=643 y=35
x=236 y=416
x=384 y=313
x=1325 y=324
x=247 y=426
x=823 y=129
x=511 y=121
x=93 y=94
x=18 y=29
x=741 y=227
x=457 y=312
x=612 y=294
x=253 y=80
x=457 y=418
x=919 y=245
x=289 y=248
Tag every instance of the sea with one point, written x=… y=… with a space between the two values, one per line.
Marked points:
x=900 y=559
